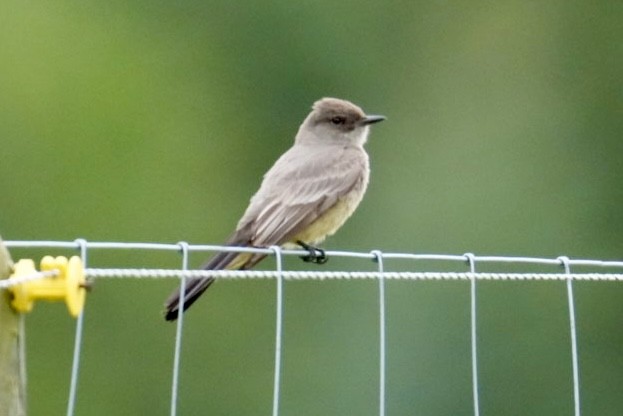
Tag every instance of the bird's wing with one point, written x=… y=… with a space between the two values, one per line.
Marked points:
x=303 y=184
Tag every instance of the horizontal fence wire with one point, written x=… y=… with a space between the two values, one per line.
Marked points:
x=6 y=283
x=99 y=273
x=607 y=271
x=341 y=275
x=464 y=259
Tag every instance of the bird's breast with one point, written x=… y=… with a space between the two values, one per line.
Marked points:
x=335 y=216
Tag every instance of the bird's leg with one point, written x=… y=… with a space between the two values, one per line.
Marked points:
x=316 y=255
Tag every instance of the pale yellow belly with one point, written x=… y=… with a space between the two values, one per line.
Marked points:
x=328 y=223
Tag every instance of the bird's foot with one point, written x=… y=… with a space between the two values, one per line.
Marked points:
x=316 y=255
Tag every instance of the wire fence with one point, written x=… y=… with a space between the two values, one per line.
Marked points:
x=608 y=271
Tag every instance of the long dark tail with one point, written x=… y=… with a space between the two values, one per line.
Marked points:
x=195 y=287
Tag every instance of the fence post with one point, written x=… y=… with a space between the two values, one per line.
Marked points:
x=12 y=375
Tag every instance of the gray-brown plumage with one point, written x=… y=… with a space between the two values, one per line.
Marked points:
x=306 y=196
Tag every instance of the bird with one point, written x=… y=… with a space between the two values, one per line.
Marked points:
x=307 y=195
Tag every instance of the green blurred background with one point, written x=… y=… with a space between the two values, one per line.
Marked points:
x=154 y=121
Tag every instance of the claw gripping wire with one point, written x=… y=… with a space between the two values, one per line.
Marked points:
x=67 y=282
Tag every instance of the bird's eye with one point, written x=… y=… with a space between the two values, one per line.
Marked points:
x=337 y=120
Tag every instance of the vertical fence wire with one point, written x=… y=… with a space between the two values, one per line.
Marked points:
x=378 y=257
x=574 y=343
x=278 y=329
x=73 y=385
x=473 y=321
x=178 y=331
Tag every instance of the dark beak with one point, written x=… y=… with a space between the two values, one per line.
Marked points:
x=371 y=119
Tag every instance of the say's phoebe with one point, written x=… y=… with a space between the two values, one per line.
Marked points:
x=306 y=196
